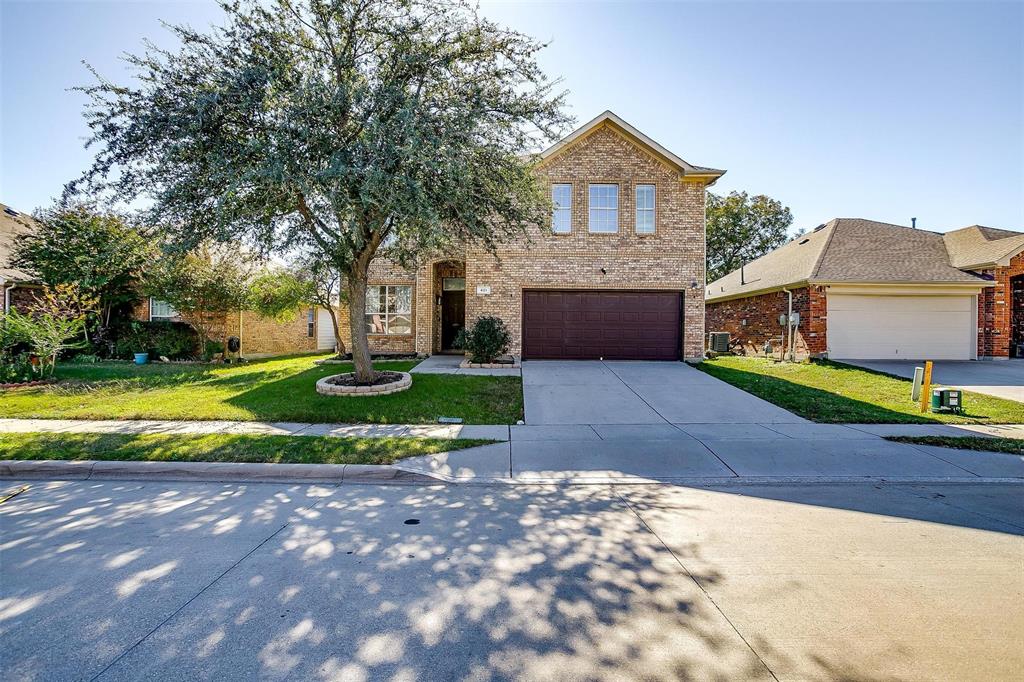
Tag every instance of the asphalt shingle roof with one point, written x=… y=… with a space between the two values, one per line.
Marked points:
x=848 y=250
x=12 y=225
x=978 y=246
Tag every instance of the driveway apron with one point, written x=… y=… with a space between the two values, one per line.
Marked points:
x=598 y=392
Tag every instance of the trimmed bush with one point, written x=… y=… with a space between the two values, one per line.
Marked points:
x=173 y=340
x=487 y=339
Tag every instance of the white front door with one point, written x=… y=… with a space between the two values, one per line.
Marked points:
x=324 y=330
x=862 y=327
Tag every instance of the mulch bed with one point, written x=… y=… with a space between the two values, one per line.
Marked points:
x=380 y=379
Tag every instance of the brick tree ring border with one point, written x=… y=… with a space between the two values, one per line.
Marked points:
x=325 y=387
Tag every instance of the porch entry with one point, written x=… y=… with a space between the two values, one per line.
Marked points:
x=453 y=310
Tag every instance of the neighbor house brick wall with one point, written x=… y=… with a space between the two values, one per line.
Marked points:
x=21 y=296
x=995 y=311
x=258 y=335
x=754 y=320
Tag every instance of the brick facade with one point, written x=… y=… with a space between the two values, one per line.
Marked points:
x=670 y=259
x=21 y=296
x=754 y=320
x=259 y=336
x=995 y=312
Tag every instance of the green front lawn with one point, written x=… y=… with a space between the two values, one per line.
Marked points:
x=278 y=389
x=222 y=448
x=1013 y=446
x=832 y=392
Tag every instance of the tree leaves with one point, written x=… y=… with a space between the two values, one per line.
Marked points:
x=741 y=228
x=332 y=125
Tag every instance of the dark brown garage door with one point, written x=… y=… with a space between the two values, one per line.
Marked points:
x=614 y=325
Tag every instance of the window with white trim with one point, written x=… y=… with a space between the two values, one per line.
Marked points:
x=161 y=310
x=604 y=209
x=389 y=309
x=561 y=216
x=311 y=322
x=645 y=209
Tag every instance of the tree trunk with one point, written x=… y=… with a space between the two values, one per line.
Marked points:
x=339 y=345
x=357 y=325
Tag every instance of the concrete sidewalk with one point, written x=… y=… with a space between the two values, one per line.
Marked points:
x=615 y=453
x=824 y=452
x=523 y=432
x=153 y=426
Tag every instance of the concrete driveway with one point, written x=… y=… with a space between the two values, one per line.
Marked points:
x=595 y=392
x=1003 y=379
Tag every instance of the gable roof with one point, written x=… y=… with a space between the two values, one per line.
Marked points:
x=851 y=250
x=978 y=247
x=709 y=175
x=12 y=225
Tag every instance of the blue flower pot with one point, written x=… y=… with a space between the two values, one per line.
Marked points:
x=141 y=358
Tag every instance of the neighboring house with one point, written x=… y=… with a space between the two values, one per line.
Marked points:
x=310 y=330
x=618 y=273
x=871 y=290
x=15 y=286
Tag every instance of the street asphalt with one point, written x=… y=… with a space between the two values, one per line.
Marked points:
x=127 y=580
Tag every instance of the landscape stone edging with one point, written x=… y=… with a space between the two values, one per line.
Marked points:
x=27 y=384
x=324 y=387
x=466 y=364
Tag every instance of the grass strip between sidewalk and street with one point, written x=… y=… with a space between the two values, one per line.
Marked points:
x=222 y=448
x=1012 y=446
x=836 y=393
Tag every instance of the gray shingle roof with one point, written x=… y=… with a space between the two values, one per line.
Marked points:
x=978 y=246
x=848 y=250
x=12 y=225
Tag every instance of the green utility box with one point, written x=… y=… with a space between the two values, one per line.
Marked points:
x=947 y=399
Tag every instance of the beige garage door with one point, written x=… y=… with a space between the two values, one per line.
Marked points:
x=324 y=330
x=901 y=327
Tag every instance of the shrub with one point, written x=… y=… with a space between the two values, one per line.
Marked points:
x=173 y=340
x=485 y=340
x=16 y=369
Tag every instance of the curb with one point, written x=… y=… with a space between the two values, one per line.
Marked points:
x=228 y=472
x=212 y=471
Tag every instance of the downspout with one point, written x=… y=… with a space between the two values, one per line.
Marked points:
x=7 y=297
x=789 y=326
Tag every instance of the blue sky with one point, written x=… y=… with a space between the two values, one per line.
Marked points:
x=838 y=109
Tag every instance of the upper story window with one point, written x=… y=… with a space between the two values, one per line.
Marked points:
x=389 y=309
x=645 y=209
x=561 y=215
x=604 y=208
x=161 y=310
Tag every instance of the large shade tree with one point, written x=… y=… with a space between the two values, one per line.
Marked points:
x=741 y=228
x=337 y=126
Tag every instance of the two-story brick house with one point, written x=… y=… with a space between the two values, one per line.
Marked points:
x=617 y=273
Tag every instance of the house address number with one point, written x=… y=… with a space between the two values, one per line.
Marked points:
x=483 y=289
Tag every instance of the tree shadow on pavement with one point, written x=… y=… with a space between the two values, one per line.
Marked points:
x=128 y=580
